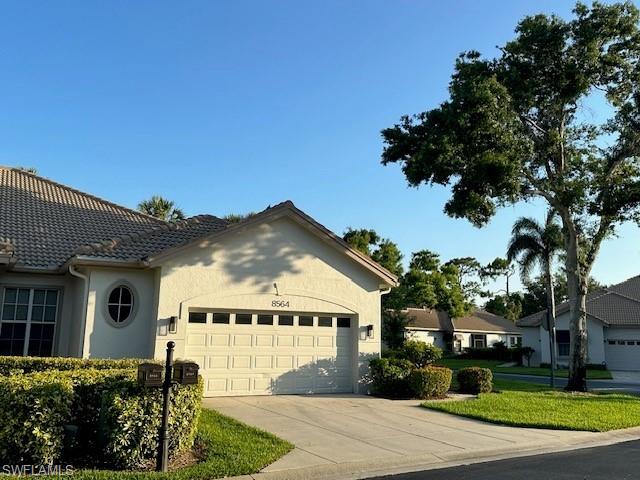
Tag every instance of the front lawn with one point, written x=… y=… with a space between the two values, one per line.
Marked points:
x=457 y=363
x=523 y=404
x=229 y=448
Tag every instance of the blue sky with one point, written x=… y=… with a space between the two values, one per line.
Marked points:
x=227 y=107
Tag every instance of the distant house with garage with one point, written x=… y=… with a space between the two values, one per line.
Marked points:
x=478 y=329
x=613 y=328
x=274 y=304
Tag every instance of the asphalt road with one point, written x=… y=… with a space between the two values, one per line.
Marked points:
x=605 y=385
x=615 y=462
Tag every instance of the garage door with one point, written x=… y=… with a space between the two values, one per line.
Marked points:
x=264 y=353
x=622 y=354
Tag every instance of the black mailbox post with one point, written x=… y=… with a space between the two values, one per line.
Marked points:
x=185 y=373
x=150 y=375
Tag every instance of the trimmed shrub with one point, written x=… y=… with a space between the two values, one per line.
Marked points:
x=390 y=376
x=430 y=382
x=13 y=365
x=420 y=354
x=114 y=421
x=475 y=380
x=33 y=412
x=131 y=417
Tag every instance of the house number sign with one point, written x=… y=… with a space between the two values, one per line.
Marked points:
x=280 y=303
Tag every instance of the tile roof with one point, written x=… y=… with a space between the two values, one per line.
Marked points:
x=617 y=305
x=478 y=320
x=43 y=224
x=429 y=318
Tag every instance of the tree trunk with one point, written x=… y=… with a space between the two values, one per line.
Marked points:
x=551 y=319
x=577 y=289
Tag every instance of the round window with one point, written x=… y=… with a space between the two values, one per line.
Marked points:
x=120 y=304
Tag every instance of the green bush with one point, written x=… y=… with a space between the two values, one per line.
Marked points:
x=430 y=382
x=420 y=354
x=390 y=377
x=33 y=412
x=131 y=417
x=12 y=365
x=114 y=421
x=475 y=380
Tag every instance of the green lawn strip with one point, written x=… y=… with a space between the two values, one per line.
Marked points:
x=523 y=404
x=457 y=363
x=231 y=448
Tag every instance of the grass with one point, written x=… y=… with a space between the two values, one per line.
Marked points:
x=457 y=363
x=524 y=404
x=230 y=448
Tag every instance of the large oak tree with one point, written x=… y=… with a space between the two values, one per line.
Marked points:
x=519 y=126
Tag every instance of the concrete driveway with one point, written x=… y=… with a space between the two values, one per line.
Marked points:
x=361 y=433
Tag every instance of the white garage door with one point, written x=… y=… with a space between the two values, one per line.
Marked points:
x=622 y=354
x=263 y=353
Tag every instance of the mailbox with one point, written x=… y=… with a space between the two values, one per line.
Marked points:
x=150 y=375
x=185 y=373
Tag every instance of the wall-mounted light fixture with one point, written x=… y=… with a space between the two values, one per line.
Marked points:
x=173 y=324
x=275 y=285
x=370 y=331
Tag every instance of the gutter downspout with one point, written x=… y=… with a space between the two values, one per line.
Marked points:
x=85 y=297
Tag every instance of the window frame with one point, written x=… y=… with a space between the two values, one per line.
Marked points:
x=476 y=337
x=29 y=321
x=135 y=299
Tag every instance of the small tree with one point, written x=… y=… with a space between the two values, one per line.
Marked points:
x=394 y=324
x=161 y=208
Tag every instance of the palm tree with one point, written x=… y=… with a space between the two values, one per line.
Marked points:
x=533 y=244
x=161 y=208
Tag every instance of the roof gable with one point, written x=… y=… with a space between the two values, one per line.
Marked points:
x=477 y=321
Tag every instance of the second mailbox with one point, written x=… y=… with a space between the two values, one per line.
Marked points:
x=185 y=373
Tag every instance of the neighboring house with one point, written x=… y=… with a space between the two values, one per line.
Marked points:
x=274 y=304
x=613 y=328
x=479 y=329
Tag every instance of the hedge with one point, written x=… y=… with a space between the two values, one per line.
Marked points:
x=475 y=380
x=114 y=419
x=33 y=412
x=430 y=382
x=12 y=365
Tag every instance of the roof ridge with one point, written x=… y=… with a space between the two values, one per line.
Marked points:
x=634 y=300
x=80 y=192
x=114 y=242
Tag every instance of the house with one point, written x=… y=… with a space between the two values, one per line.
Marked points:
x=479 y=329
x=613 y=328
x=274 y=304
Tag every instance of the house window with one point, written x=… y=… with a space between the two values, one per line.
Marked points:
x=514 y=340
x=305 y=321
x=285 y=320
x=478 y=341
x=197 y=317
x=344 y=322
x=120 y=305
x=243 y=319
x=325 y=321
x=265 y=319
x=562 y=341
x=221 y=318
x=27 y=323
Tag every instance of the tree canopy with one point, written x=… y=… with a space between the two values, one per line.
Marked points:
x=382 y=250
x=518 y=126
x=161 y=208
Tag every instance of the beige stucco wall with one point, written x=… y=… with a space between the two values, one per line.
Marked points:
x=136 y=339
x=238 y=272
x=68 y=310
x=540 y=341
x=431 y=337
